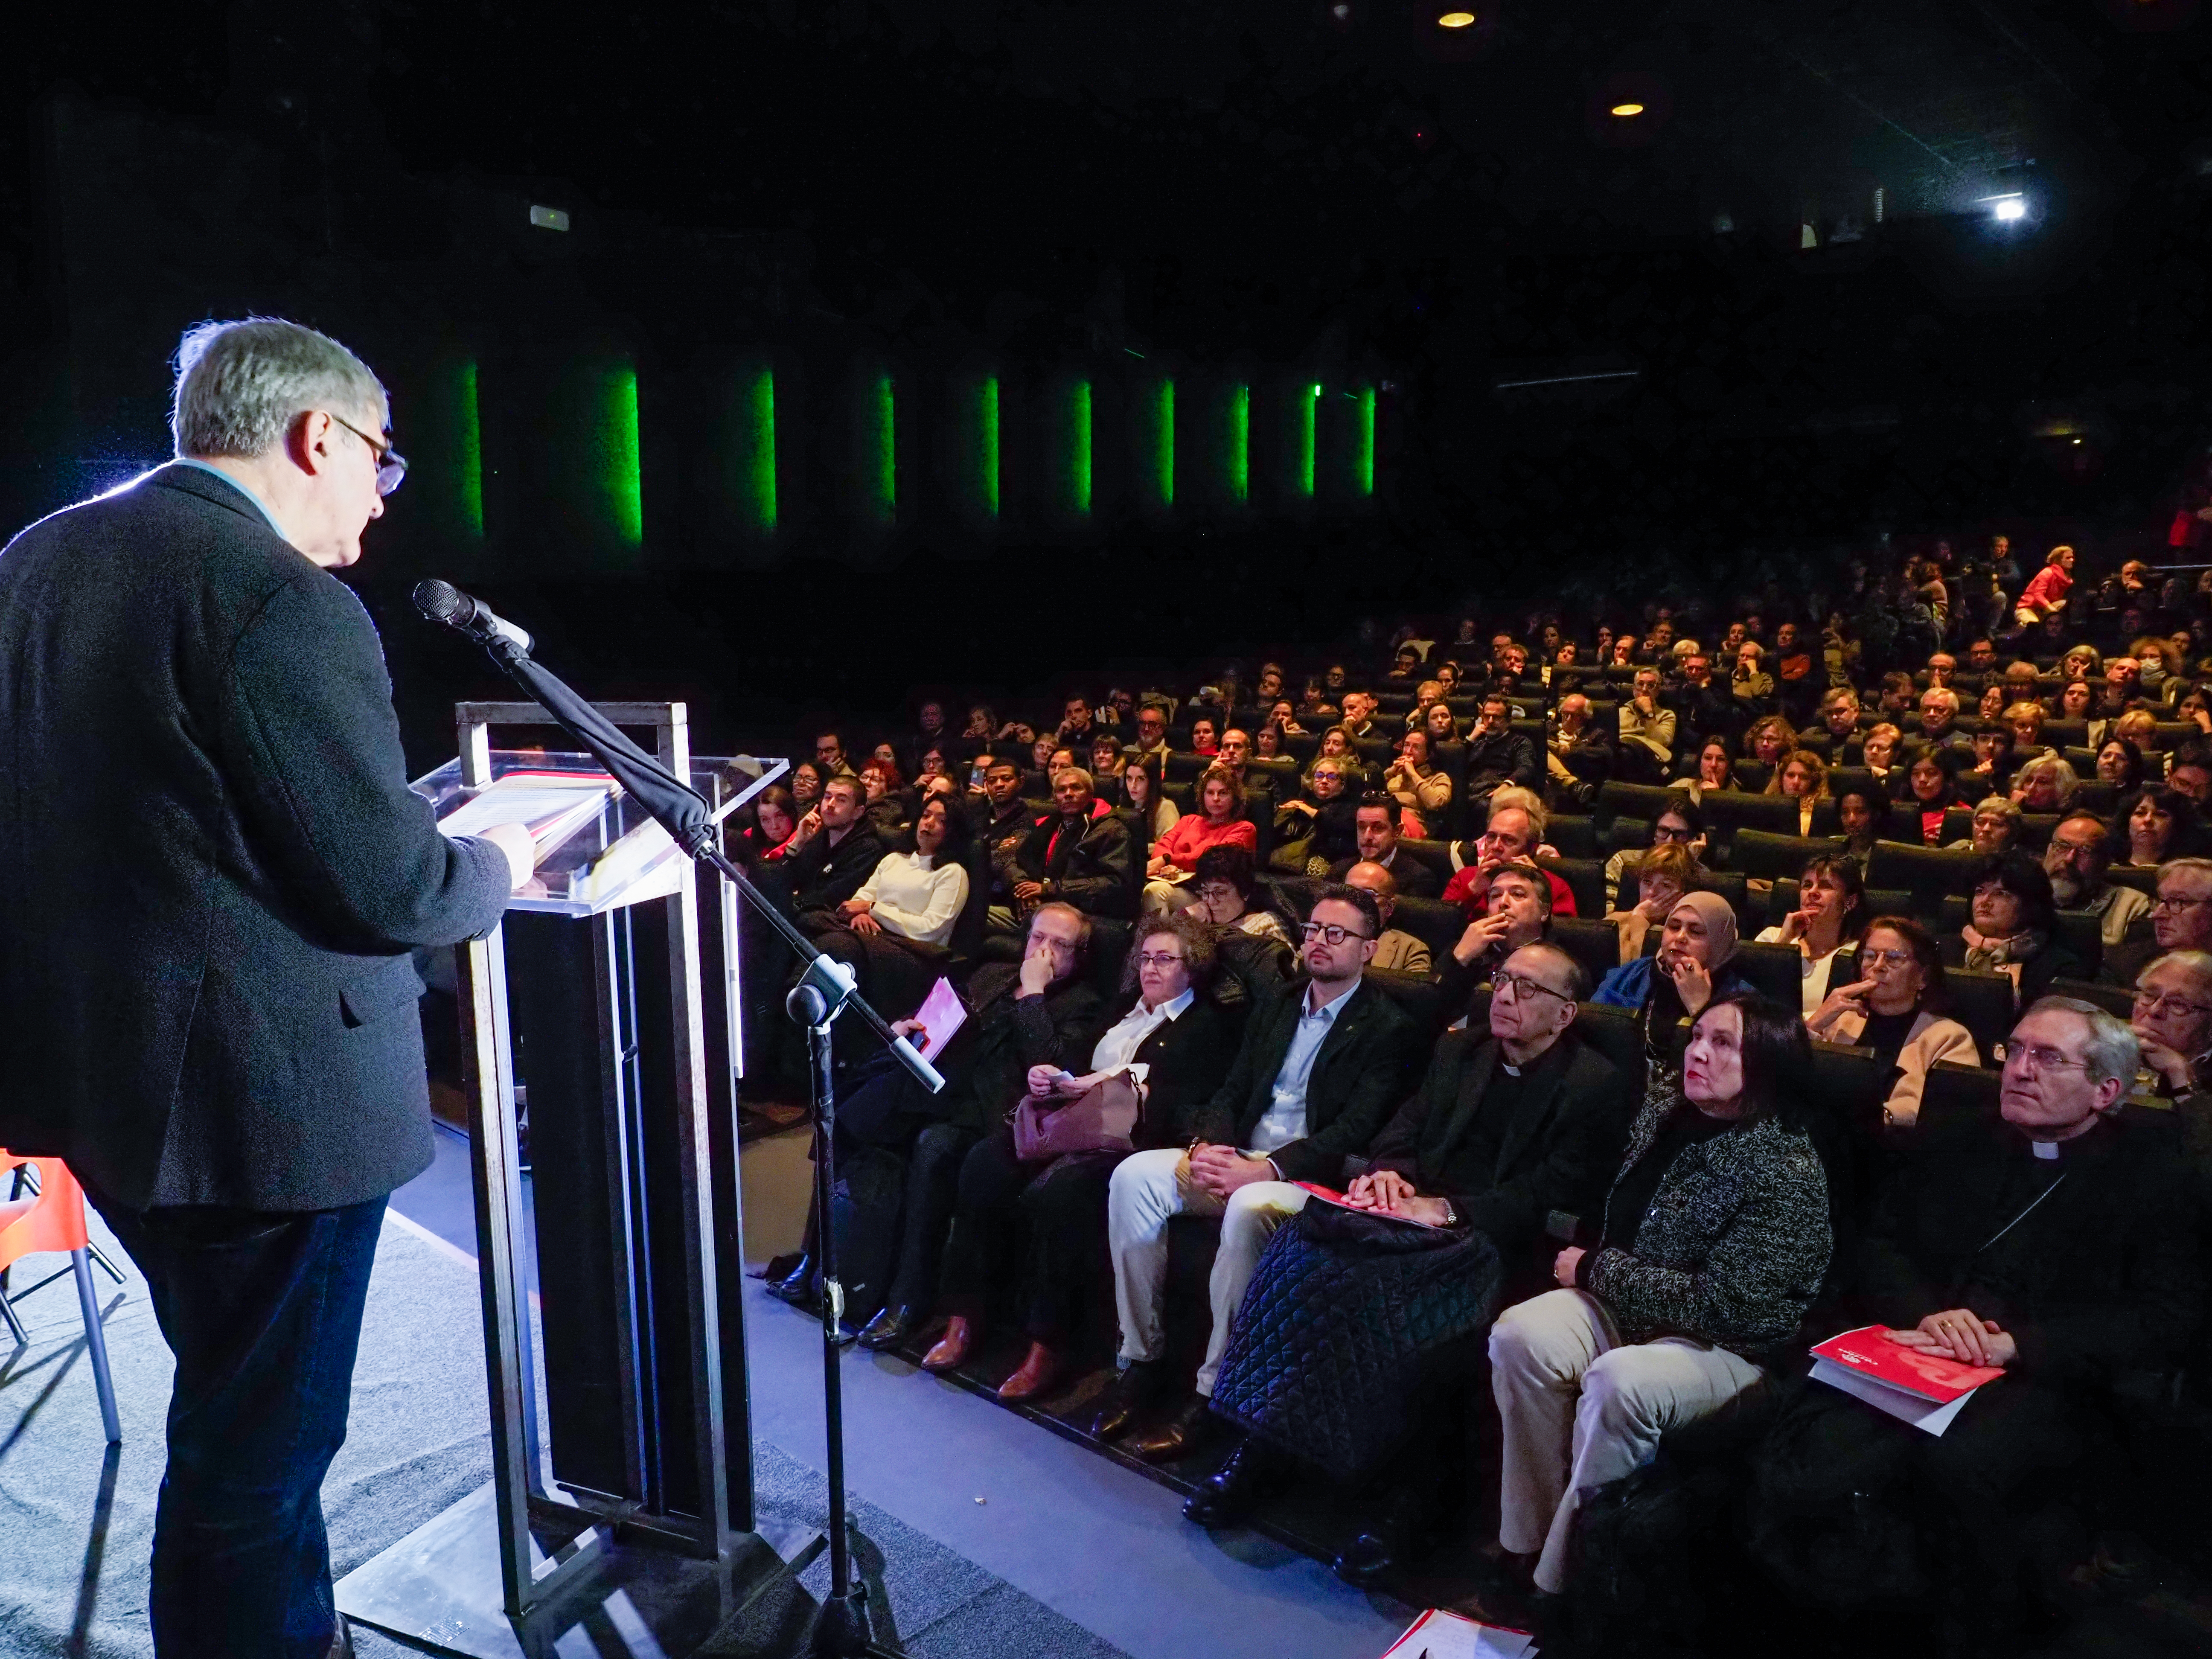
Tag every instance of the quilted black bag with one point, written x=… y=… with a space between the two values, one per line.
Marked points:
x=1348 y=1317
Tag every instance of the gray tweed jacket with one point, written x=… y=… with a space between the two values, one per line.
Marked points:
x=1732 y=1247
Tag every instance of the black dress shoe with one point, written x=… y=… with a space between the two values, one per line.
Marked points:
x=1136 y=1387
x=891 y=1327
x=1226 y=1496
x=1188 y=1430
x=1383 y=1543
x=797 y=1287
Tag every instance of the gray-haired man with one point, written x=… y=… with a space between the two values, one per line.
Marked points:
x=218 y=873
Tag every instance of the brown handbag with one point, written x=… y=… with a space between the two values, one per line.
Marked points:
x=1104 y=1118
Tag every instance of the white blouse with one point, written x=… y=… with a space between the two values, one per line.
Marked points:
x=914 y=900
x=1128 y=1033
x=1812 y=986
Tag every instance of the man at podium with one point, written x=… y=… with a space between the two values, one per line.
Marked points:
x=215 y=874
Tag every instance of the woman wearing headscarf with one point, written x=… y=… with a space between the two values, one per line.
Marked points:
x=1670 y=988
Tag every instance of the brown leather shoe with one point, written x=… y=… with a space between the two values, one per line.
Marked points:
x=1189 y=1430
x=1039 y=1370
x=952 y=1350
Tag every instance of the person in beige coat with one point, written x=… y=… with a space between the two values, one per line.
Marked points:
x=1894 y=1007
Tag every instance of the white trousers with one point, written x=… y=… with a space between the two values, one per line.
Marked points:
x=1146 y=1191
x=1164 y=898
x=1580 y=1409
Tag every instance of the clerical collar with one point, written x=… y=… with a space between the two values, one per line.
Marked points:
x=2044 y=1148
x=1511 y=1070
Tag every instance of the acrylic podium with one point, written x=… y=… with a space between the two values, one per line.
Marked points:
x=619 y=1517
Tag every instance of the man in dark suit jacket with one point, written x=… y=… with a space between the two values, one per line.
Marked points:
x=1317 y=1072
x=1376 y=826
x=1079 y=855
x=216 y=872
x=835 y=849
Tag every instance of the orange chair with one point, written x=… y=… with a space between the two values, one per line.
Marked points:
x=53 y=1219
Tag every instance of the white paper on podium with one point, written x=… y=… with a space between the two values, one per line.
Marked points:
x=554 y=805
x=1933 y=1416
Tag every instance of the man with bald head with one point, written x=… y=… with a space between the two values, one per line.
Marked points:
x=1396 y=951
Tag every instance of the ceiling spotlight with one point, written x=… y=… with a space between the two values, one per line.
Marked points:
x=1625 y=111
x=1455 y=19
x=2005 y=209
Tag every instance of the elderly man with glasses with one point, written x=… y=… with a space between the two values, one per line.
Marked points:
x=1319 y=1068
x=2180 y=918
x=2172 y=1021
x=1513 y=833
x=2079 y=854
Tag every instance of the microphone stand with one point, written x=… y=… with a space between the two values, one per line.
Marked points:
x=823 y=992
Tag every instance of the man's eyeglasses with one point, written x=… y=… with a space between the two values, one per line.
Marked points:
x=2167 y=1004
x=1331 y=933
x=1522 y=987
x=391 y=465
x=1662 y=833
x=2178 y=902
x=2041 y=1059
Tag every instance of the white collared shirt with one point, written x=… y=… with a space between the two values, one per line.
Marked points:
x=1129 y=1033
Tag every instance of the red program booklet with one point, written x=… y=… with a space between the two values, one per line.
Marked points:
x=1871 y=1353
x=1330 y=1195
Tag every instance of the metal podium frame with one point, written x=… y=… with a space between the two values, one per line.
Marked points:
x=534 y=1581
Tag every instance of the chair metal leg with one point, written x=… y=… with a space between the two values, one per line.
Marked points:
x=15 y=1324
x=96 y=1339
x=106 y=1266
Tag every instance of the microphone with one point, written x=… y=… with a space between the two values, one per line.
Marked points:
x=442 y=602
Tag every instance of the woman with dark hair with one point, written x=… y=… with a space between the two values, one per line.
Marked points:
x=1139 y=787
x=1106 y=761
x=1829 y=914
x=805 y=786
x=1716 y=768
x=2161 y=825
x=776 y=815
x=982 y=727
x=2014 y=929
x=1440 y=725
x=911 y=899
x=1217 y=822
x=1803 y=777
x=1422 y=789
x=1224 y=884
x=1896 y=1007
x=1165 y=1035
x=1315 y=830
x=1668 y=989
x=2120 y=764
x=1681 y=824
x=1711 y=1245
x=1931 y=791
x=1860 y=812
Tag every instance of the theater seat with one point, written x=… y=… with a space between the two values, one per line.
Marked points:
x=1761 y=853
x=1594 y=943
x=1435 y=924
x=2112 y=998
x=1928 y=873
x=1955 y=1091
x=1983 y=1003
x=1777 y=972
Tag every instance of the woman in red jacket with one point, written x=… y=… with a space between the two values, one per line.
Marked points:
x=1217 y=823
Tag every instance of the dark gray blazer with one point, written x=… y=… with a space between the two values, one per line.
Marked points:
x=211 y=868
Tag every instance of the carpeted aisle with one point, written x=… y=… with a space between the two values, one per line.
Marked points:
x=75 y=1523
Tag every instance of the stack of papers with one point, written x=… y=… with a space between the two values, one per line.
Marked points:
x=1925 y=1389
x=1437 y=1634
x=555 y=806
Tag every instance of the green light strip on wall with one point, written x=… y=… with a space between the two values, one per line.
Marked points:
x=470 y=441
x=1363 y=444
x=619 y=452
x=1163 y=437
x=986 y=450
x=755 y=458
x=1302 y=459
x=1240 y=444
x=1079 y=448
x=879 y=471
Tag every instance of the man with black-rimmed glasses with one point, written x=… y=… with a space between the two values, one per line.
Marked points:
x=1319 y=1072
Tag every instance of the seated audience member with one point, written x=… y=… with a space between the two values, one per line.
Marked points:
x=1669 y=988
x=1801 y=675
x=1770 y=740
x=1375 y=831
x=1427 y=695
x=1019 y=1015
x=1235 y=752
x=2079 y=853
x=2025 y=722
x=1153 y=730
x=2140 y=727
x=886 y=808
x=1963 y=1260
x=1712 y=1244
x=1994 y=763
x=2014 y=929
x=2047 y=784
x=1803 y=776
x=1839 y=720
x=1267 y=743
x=2076 y=701
x=1939 y=720
x=1859 y=813
x=1216 y=823
x=1322 y=827
x=1107 y=761
x=1176 y=1046
x=1896 y=1007
x=1003 y=823
x=1496 y=755
x=1513 y=831
x=2162 y=825
x=1680 y=823
x=829 y=854
x=1075 y=728
x=2120 y=764
x=1709 y=711
x=1716 y=770
x=2045 y=593
x=829 y=757
x=1396 y=949
x=1358 y=720
x=1516 y=910
x=1422 y=789
x=1079 y=854
x=775 y=817
x=1878 y=750
x=1205 y=737
x=1750 y=683
x=1139 y=789
x=2082 y=662
x=1223 y=886
x=1898 y=699
x=1989 y=711
x=1509 y=1125
x=805 y=786
x=1996 y=828
x=2190 y=773
x=1283 y=715
x=1830 y=915
x=2180 y=919
x=1663 y=876
x=1930 y=792
x=1574 y=740
x=916 y=893
x=1647 y=730
x=2172 y=1022
x=1319 y=1070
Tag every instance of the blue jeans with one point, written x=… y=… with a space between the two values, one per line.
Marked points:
x=263 y=1312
